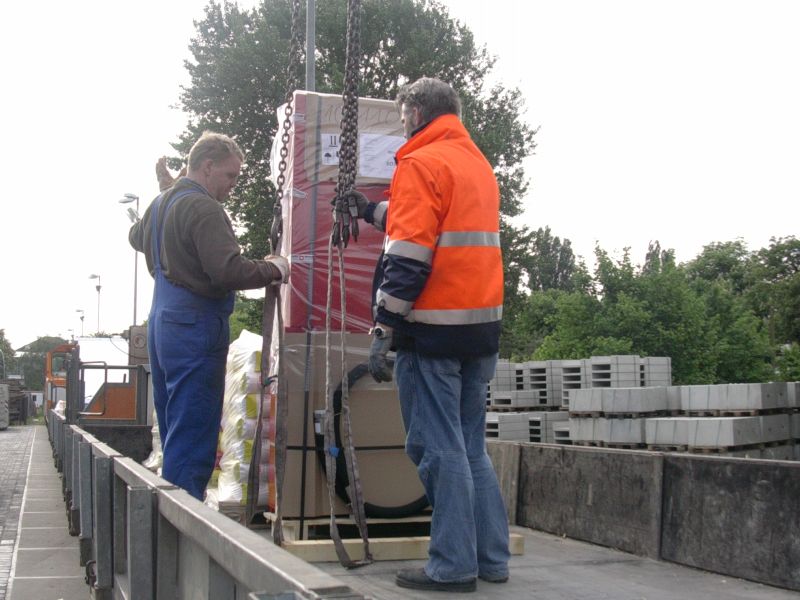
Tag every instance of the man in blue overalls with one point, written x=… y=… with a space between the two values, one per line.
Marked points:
x=193 y=255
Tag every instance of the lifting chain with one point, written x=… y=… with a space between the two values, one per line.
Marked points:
x=295 y=53
x=346 y=223
x=272 y=305
x=343 y=224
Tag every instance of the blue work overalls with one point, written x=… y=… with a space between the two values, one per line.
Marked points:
x=188 y=338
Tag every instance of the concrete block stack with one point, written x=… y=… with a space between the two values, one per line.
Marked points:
x=655 y=371
x=731 y=399
x=542 y=425
x=614 y=416
x=539 y=376
x=748 y=420
x=551 y=385
x=572 y=377
x=561 y=433
x=508 y=426
x=614 y=371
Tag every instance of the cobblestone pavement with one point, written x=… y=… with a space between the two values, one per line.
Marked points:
x=15 y=450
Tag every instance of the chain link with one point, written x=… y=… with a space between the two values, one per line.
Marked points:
x=348 y=143
x=295 y=52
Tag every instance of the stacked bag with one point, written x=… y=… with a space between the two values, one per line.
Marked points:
x=240 y=413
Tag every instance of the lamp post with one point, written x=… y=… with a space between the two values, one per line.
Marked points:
x=97 y=287
x=83 y=316
x=134 y=216
x=4 y=364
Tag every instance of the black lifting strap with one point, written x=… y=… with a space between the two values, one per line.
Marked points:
x=272 y=308
x=340 y=233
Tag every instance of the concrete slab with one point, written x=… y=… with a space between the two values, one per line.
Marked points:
x=47 y=537
x=45 y=519
x=46 y=562
x=50 y=588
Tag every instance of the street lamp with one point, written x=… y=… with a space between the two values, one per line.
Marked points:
x=80 y=310
x=97 y=287
x=134 y=216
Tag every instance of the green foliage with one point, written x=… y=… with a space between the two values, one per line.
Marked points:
x=32 y=360
x=788 y=363
x=9 y=362
x=690 y=313
x=238 y=79
x=244 y=316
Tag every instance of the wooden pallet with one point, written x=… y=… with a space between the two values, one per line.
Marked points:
x=317 y=528
x=734 y=413
x=509 y=408
x=613 y=445
x=658 y=448
x=383 y=547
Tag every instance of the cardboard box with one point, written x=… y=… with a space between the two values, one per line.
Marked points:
x=388 y=477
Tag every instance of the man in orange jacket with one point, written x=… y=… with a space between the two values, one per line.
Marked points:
x=439 y=301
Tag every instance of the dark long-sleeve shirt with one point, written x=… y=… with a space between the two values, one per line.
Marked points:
x=199 y=250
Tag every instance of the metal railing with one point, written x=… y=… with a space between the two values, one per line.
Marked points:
x=142 y=538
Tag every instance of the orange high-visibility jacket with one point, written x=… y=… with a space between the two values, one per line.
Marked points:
x=442 y=281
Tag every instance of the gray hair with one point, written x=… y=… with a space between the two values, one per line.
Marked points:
x=214 y=146
x=433 y=97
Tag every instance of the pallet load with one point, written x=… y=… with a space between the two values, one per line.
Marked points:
x=388 y=477
x=746 y=420
x=542 y=425
x=544 y=385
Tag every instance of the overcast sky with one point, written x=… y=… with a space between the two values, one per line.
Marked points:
x=671 y=120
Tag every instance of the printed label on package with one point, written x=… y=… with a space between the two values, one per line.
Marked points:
x=376 y=154
x=329 y=148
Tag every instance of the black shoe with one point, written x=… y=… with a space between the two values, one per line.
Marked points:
x=417 y=579
x=494 y=578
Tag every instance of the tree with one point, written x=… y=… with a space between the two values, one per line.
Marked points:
x=775 y=293
x=7 y=357
x=238 y=80
x=32 y=360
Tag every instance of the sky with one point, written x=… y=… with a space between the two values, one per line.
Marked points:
x=674 y=121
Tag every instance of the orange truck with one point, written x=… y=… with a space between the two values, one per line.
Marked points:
x=55 y=375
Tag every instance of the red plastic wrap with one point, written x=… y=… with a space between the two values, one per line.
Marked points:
x=312 y=173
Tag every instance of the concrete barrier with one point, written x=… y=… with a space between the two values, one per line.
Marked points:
x=604 y=496
x=733 y=516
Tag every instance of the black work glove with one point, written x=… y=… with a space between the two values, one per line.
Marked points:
x=379 y=366
x=352 y=202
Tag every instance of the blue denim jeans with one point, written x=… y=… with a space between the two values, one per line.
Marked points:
x=443 y=401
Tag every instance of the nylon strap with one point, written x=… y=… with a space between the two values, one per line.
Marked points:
x=272 y=300
x=340 y=233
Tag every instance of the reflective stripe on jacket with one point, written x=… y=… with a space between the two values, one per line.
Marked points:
x=442 y=262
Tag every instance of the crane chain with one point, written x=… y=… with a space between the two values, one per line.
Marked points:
x=295 y=53
x=343 y=223
x=346 y=221
x=272 y=300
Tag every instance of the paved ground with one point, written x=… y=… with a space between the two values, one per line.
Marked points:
x=39 y=560
x=45 y=559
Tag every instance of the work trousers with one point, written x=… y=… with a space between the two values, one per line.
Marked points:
x=443 y=402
